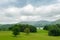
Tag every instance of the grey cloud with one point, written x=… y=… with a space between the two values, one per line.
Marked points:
x=14 y=11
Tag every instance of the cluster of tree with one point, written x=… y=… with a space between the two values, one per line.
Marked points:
x=22 y=27
x=17 y=28
x=53 y=30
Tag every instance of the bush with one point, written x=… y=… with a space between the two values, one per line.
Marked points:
x=54 y=31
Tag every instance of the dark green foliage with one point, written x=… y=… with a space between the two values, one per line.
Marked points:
x=58 y=25
x=10 y=28
x=31 y=28
x=22 y=27
x=27 y=30
x=15 y=31
x=46 y=27
x=54 y=30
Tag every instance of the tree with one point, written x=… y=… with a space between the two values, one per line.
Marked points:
x=33 y=29
x=24 y=26
x=54 y=31
x=58 y=25
x=27 y=30
x=16 y=28
x=16 y=31
x=46 y=27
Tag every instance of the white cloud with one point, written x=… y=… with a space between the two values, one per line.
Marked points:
x=28 y=8
x=30 y=13
x=12 y=10
x=30 y=18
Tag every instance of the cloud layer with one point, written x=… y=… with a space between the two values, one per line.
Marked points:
x=13 y=11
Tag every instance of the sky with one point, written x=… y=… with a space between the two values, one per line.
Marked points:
x=14 y=11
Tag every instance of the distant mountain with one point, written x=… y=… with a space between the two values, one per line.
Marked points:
x=56 y=22
x=40 y=23
x=36 y=23
x=5 y=26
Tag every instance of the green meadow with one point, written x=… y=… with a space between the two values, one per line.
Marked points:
x=40 y=35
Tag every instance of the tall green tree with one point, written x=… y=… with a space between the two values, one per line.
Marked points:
x=16 y=31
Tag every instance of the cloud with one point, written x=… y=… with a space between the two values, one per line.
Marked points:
x=45 y=11
x=31 y=10
x=22 y=3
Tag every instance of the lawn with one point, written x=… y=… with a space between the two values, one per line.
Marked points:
x=40 y=35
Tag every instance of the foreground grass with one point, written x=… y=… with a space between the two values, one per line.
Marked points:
x=40 y=35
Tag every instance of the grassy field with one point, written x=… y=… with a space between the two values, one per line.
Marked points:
x=40 y=35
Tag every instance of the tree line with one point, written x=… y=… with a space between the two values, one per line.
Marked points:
x=17 y=28
x=53 y=30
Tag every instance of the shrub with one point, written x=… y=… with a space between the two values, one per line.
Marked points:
x=54 y=31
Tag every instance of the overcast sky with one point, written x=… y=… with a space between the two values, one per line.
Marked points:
x=13 y=11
